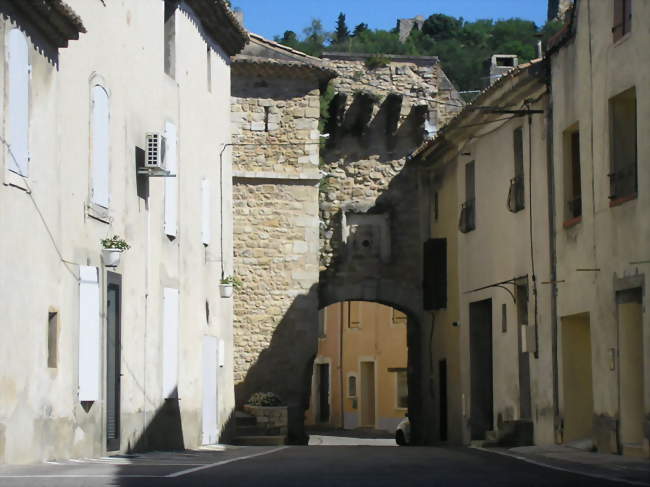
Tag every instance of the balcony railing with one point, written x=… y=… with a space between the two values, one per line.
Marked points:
x=623 y=181
x=467 y=221
x=516 y=194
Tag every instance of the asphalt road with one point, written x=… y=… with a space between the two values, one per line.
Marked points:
x=312 y=466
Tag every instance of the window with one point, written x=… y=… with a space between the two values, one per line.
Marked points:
x=399 y=318
x=572 y=186
x=467 y=221
x=504 y=318
x=435 y=206
x=52 y=339
x=18 y=103
x=402 y=389
x=169 y=50
x=266 y=118
x=99 y=192
x=516 y=192
x=352 y=386
x=434 y=274
x=622 y=18
x=623 y=149
x=354 y=314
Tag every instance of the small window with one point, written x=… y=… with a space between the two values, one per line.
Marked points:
x=354 y=314
x=208 y=63
x=352 y=386
x=435 y=206
x=169 y=50
x=467 y=221
x=504 y=318
x=622 y=18
x=402 y=389
x=516 y=193
x=52 y=339
x=18 y=101
x=623 y=147
x=266 y=118
x=572 y=185
x=399 y=318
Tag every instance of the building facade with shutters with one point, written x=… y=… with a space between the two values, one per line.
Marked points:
x=103 y=359
x=485 y=258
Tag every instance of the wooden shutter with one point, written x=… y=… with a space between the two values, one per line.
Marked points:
x=170 y=343
x=171 y=185
x=434 y=273
x=89 y=334
x=18 y=93
x=100 y=147
x=205 y=212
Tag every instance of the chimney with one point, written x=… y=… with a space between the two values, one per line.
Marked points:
x=500 y=64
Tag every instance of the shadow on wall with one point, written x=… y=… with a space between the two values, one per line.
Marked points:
x=164 y=431
x=285 y=366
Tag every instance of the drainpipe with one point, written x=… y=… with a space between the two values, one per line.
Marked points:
x=550 y=174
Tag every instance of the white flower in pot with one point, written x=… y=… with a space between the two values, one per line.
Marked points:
x=112 y=249
x=228 y=285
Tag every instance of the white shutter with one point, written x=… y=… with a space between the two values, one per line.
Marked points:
x=222 y=352
x=18 y=103
x=205 y=213
x=100 y=146
x=171 y=185
x=170 y=343
x=89 y=334
x=210 y=398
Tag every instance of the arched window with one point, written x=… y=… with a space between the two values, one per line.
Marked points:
x=18 y=94
x=100 y=141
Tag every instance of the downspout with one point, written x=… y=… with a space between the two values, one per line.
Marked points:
x=550 y=175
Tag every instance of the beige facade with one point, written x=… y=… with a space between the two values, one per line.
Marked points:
x=601 y=111
x=551 y=240
x=138 y=356
x=361 y=351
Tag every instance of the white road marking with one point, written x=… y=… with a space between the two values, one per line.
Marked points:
x=562 y=469
x=223 y=462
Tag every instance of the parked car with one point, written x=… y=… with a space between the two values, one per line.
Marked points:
x=403 y=432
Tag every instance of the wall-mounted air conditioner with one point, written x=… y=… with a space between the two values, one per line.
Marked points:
x=154 y=157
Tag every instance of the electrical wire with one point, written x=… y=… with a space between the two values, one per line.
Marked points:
x=39 y=212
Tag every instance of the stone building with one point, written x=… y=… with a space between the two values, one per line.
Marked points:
x=275 y=146
x=98 y=358
x=382 y=109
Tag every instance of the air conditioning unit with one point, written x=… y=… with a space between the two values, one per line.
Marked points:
x=155 y=151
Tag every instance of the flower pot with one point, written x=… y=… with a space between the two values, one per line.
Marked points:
x=225 y=290
x=111 y=257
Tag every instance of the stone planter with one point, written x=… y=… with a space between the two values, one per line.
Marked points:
x=274 y=420
x=225 y=290
x=111 y=257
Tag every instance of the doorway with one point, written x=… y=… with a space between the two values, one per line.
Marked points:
x=323 y=371
x=113 y=359
x=481 y=382
x=630 y=332
x=578 y=397
x=210 y=390
x=368 y=394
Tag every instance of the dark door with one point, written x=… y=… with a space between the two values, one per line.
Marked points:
x=480 y=350
x=323 y=393
x=525 y=401
x=113 y=353
x=442 y=381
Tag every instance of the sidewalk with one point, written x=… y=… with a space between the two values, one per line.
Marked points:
x=630 y=470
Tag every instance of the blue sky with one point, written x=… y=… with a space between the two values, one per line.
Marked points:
x=273 y=17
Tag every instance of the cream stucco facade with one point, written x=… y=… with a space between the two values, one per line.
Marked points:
x=361 y=350
x=89 y=107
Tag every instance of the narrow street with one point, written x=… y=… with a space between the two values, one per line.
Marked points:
x=345 y=463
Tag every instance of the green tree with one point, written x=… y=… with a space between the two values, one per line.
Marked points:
x=342 y=34
x=440 y=27
x=360 y=29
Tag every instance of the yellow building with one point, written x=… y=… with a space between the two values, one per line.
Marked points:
x=362 y=351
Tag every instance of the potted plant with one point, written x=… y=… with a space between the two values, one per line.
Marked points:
x=112 y=250
x=228 y=283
